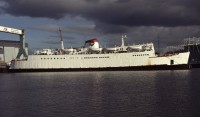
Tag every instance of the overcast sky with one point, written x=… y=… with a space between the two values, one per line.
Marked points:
x=143 y=21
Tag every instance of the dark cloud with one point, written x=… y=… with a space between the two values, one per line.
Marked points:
x=110 y=28
x=113 y=16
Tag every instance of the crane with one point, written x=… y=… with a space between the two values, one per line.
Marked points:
x=22 y=39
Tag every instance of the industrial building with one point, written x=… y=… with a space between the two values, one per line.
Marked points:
x=9 y=50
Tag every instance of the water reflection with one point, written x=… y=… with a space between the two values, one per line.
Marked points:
x=194 y=93
x=131 y=93
x=172 y=93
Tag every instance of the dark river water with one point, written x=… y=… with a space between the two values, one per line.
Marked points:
x=101 y=94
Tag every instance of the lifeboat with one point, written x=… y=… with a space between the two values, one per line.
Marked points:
x=68 y=51
x=111 y=49
x=136 y=48
x=44 y=52
x=96 y=49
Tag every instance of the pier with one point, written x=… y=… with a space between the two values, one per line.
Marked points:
x=3 y=67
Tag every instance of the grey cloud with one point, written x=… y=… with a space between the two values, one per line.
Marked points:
x=2 y=6
x=63 y=36
x=88 y=29
x=52 y=42
x=145 y=34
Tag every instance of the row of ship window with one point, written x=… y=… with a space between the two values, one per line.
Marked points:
x=94 y=57
x=142 y=55
x=51 y=58
x=73 y=58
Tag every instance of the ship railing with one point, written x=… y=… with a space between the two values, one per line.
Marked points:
x=192 y=41
x=174 y=48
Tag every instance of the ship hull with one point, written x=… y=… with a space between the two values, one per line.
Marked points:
x=133 y=68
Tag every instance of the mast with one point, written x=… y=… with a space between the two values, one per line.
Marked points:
x=158 y=42
x=123 y=36
x=61 y=39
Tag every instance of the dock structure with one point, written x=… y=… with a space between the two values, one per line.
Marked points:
x=3 y=67
x=21 y=34
x=10 y=50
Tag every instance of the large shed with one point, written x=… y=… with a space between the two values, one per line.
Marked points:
x=9 y=50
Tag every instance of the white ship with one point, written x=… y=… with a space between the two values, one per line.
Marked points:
x=93 y=57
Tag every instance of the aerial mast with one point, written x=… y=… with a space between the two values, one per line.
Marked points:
x=61 y=39
x=158 y=43
x=123 y=37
